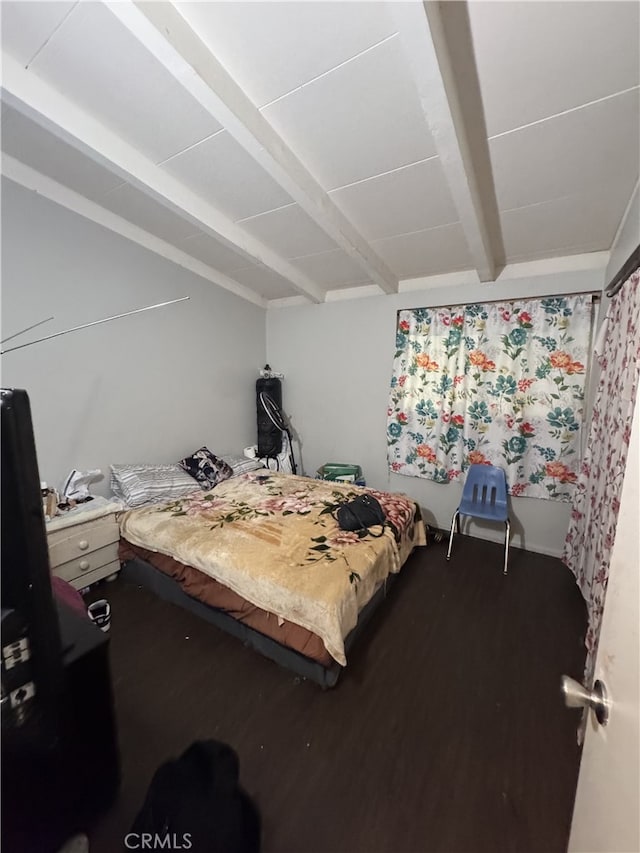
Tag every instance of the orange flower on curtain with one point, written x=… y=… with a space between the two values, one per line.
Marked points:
x=501 y=383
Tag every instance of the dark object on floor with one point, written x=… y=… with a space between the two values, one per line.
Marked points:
x=100 y=614
x=434 y=535
x=198 y=801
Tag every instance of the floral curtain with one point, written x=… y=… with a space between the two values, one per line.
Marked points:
x=597 y=498
x=500 y=384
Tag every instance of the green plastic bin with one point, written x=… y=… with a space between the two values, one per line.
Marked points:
x=341 y=472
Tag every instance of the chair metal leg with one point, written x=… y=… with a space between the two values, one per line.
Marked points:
x=506 y=545
x=455 y=522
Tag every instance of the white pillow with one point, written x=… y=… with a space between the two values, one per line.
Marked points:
x=240 y=464
x=149 y=484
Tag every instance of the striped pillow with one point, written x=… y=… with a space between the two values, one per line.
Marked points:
x=241 y=464
x=149 y=484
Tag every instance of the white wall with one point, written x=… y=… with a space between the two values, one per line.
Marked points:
x=147 y=388
x=337 y=360
x=154 y=386
x=627 y=238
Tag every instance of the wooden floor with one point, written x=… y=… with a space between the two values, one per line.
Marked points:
x=446 y=732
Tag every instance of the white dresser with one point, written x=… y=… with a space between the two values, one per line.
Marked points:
x=83 y=543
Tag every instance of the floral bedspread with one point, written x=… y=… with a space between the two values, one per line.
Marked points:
x=272 y=538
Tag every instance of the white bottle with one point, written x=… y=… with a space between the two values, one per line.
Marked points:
x=44 y=492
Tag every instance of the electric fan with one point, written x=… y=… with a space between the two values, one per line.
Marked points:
x=278 y=419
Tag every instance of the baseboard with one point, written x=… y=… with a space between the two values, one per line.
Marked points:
x=516 y=542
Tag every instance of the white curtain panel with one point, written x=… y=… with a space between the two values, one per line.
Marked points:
x=594 y=516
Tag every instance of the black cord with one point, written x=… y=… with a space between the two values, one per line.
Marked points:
x=291 y=456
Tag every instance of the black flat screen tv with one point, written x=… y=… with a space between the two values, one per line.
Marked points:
x=60 y=763
x=28 y=608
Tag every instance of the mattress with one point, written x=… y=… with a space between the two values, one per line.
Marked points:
x=211 y=592
x=272 y=539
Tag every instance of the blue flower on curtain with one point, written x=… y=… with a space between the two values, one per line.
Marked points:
x=499 y=384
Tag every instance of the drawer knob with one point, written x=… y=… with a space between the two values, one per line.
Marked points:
x=84 y=565
x=83 y=544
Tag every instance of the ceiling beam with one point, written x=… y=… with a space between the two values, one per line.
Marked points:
x=44 y=186
x=438 y=43
x=169 y=38
x=34 y=98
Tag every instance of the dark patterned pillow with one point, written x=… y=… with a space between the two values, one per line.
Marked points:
x=207 y=469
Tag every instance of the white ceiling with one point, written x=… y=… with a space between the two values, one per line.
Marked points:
x=295 y=148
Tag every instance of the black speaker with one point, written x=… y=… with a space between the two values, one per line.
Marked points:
x=60 y=764
x=269 y=435
x=31 y=647
x=53 y=791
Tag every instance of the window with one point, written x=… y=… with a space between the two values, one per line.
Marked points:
x=501 y=383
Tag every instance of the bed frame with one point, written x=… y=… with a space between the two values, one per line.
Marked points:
x=140 y=572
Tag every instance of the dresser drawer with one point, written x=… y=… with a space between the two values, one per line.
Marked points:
x=82 y=540
x=95 y=575
x=88 y=563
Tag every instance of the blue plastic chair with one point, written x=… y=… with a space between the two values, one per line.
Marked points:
x=484 y=496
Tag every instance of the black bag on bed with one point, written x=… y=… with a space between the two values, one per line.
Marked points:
x=361 y=513
x=196 y=801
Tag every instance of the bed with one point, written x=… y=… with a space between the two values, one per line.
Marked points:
x=262 y=556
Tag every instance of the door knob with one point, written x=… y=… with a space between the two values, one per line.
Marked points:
x=577 y=696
